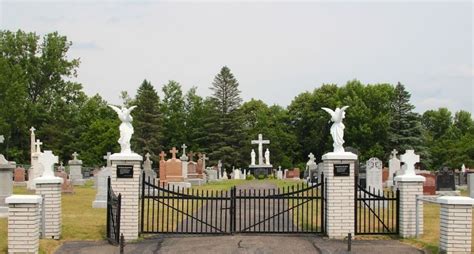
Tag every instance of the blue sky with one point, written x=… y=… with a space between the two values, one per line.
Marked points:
x=275 y=49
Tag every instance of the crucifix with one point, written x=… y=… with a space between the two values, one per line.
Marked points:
x=38 y=143
x=260 y=143
x=184 y=149
x=74 y=155
x=173 y=152
x=147 y=155
x=162 y=156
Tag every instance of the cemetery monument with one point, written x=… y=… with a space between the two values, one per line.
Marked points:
x=263 y=167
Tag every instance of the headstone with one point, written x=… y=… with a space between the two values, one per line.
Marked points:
x=101 y=196
x=149 y=173
x=470 y=184
x=445 y=180
x=393 y=167
x=107 y=158
x=184 y=162
x=219 y=169
x=374 y=174
x=162 y=168
x=174 y=171
x=19 y=175
x=211 y=175
x=236 y=174
x=293 y=174
x=429 y=186
x=66 y=186
x=279 y=173
x=6 y=183
x=244 y=176
x=75 y=170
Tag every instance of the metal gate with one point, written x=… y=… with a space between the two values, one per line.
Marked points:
x=114 y=203
x=376 y=212
x=172 y=210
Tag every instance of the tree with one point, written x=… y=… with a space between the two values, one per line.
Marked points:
x=173 y=115
x=405 y=126
x=147 y=121
x=196 y=112
x=228 y=136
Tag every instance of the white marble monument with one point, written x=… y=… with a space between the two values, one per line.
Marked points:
x=374 y=175
x=101 y=196
x=393 y=167
x=264 y=166
x=75 y=170
x=147 y=168
x=6 y=183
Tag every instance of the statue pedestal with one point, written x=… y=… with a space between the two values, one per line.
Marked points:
x=257 y=170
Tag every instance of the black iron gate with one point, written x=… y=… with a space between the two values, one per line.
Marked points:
x=170 y=209
x=376 y=212
x=114 y=203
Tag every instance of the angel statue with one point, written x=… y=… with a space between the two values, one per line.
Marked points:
x=337 y=128
x=126 y=128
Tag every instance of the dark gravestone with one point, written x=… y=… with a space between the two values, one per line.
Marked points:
x=445 y=180
x=313 y=176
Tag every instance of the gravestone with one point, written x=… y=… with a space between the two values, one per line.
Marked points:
x=195 y=170
x=385 y=177
x=211 y=175
x=236 y=173
x=393 y=167
x=66 y=185
x=101 y=196
x=149 y=173
x=36 y=169
x=174 y=171
x=293 y=174
x=75 y=170
x=19 y=175
x=445 y=180
x=470 y=184
x=184 y=162
x=429 y=186
x=374 y=174
x=279 y=173
x=6 y=183
x=162 y=170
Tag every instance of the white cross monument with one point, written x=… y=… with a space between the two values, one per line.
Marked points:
x=260 y=143
x=48 y=159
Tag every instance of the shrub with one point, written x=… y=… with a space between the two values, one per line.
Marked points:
x=261 y=176
x=249 y=177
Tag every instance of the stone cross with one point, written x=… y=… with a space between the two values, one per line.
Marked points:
x=107 y=158
x=147 y=155
x=184 y=146
x=279 y=168
x=173 y=152
x=74 y=155
x=204 y=159
x=260 y=143
x=38 y=143
x=162 y=156
x=2 y=138
x=394 y=153
x=410 y=158
x=48 y=159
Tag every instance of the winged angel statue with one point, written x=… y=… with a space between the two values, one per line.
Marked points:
x=126 y=128
x=337 y=128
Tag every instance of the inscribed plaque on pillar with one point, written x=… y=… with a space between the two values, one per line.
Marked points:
x=124 y=171
x=341 y=170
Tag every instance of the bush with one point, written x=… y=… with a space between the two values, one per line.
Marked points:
x=261 y=177
x=249 y=177
x=271 y=177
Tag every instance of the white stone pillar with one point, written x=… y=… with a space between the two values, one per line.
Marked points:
x=455 y=224
x=23 y=223
x=339 y=183
x=410 y=186
x=125 y=180
x=50 y=189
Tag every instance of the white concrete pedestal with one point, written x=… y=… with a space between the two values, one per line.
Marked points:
x=6 y=184
x=129 y=188
x=50 y=188
x=410 y=186
x=340 y=203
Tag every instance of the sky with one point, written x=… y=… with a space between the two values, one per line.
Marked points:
x=276 y=50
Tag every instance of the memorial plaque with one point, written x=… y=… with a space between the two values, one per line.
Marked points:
x=341 y=169
x=124 y=171
x=445 y=180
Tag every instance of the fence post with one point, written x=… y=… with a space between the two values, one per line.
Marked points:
x=143 y=203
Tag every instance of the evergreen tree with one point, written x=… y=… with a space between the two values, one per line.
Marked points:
x=173 y=116
x=228 y=136
x=405 y=130
x=147 y=121
x=195 y=121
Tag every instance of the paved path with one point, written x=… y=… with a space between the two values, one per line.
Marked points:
x=236 y=244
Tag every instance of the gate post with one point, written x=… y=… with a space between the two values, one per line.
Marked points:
x=125 y=180
x=339 y=187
